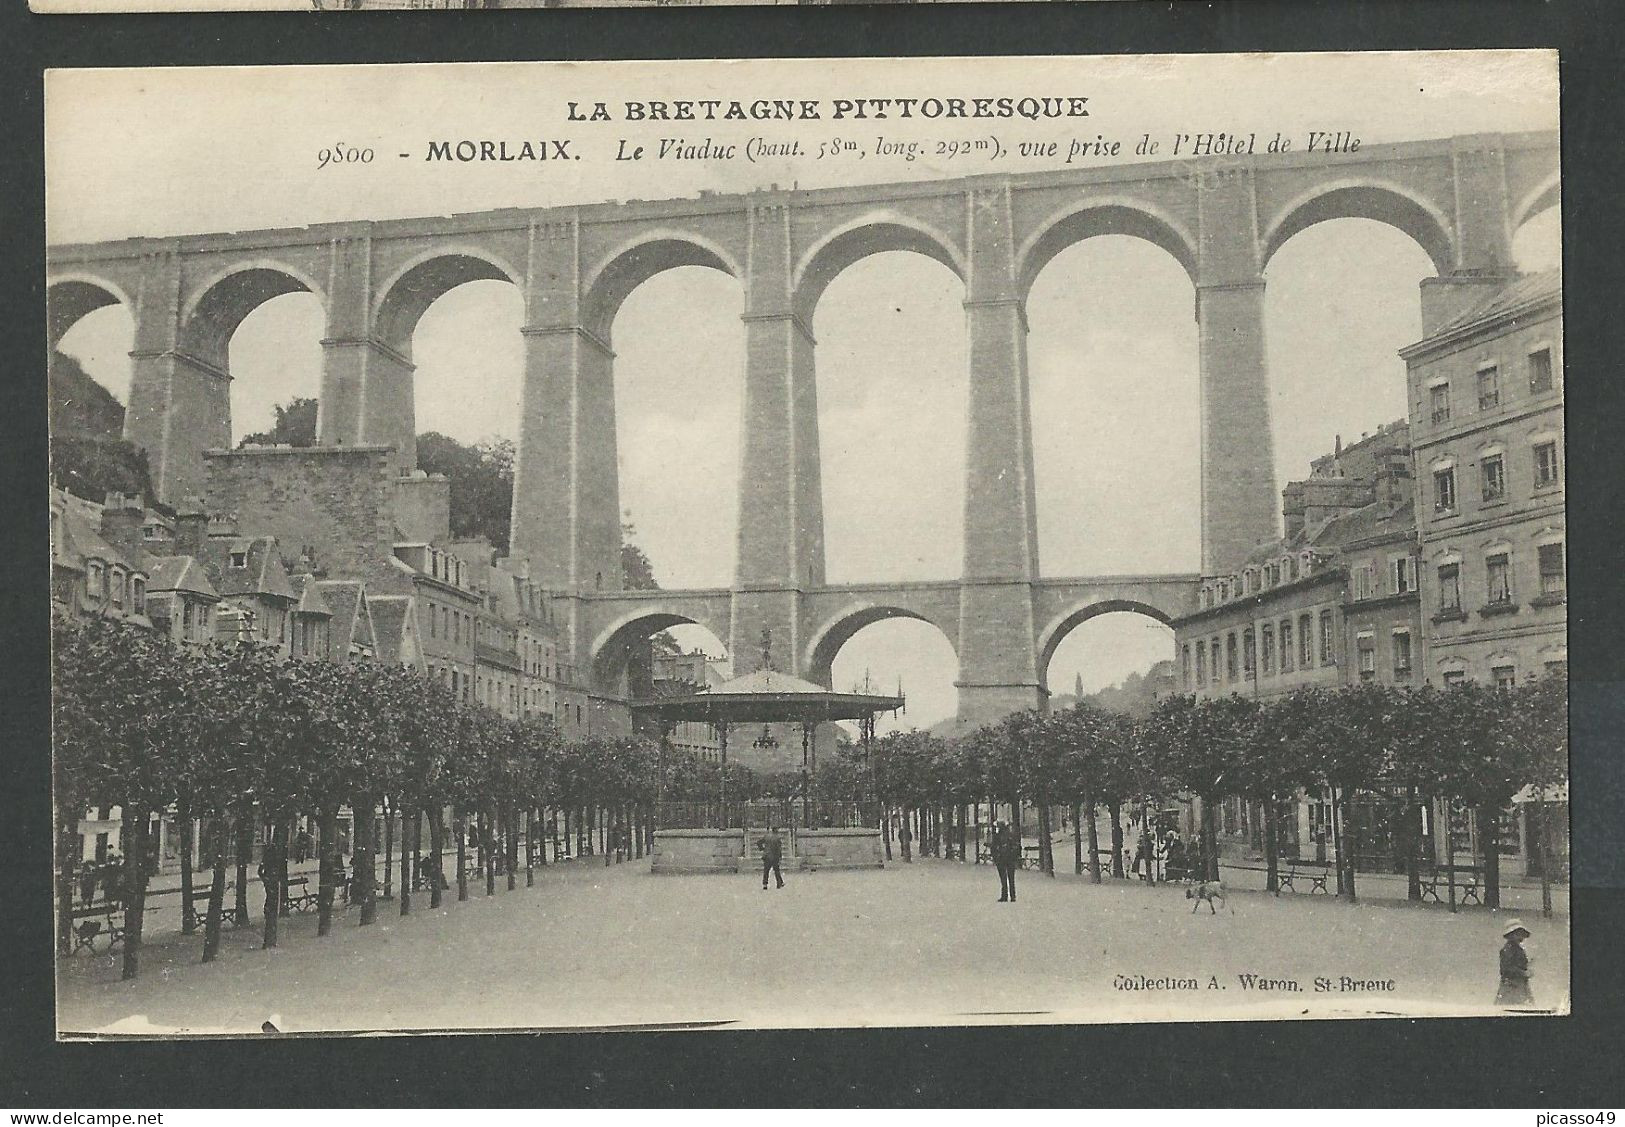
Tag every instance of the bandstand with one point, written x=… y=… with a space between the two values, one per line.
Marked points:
x=768 y=697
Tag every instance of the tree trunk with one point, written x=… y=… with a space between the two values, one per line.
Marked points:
x=1094 y=841
x=1413 y=845
x=136 y=863
x=1351 y=841
x=183 y=815
x=1489 y=841
x=1046 y=854
x=217 y=889
x=68 y=850
x=487 y=829
x=272 y=874
x=1117 y=838
x=1210 y=840
x=409 y=829
x=460 y=828
x=885 y=828
x=1077 y=839
x=417 y=849
x=510 y=844
x=366 y=859
x=976 y=831
x=328 y=867
x=1272 y=845
x=1337 y=838
x=530 y=847
x=245 y=846
x=389 y=852
x=437 y=870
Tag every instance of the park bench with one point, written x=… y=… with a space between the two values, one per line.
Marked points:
x=1316 y=875
x=1468 y=880
x=1032 y=856
x=97 y=919
x=297 y=894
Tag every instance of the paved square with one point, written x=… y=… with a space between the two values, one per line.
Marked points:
x=920 y=944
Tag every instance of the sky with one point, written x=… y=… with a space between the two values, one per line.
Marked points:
x=1111 y=352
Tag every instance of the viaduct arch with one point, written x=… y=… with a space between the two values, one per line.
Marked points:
x=1460 y=198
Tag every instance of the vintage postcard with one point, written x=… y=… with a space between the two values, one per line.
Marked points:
x=807 y=543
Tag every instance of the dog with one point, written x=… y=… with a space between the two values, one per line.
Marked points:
x=1210 y=891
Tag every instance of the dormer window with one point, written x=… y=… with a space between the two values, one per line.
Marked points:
x=94 y=579
x=116 y=588
x=239 y=559
x=138 y=595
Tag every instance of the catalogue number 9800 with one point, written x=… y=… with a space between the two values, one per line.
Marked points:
x=343 y=154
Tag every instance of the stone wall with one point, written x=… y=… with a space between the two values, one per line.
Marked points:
x=337 y=501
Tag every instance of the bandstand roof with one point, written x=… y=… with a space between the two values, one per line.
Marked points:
x=764 y=696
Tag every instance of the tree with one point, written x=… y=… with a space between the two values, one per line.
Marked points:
x=481 y=483
x=130 y=686
x=295 y=426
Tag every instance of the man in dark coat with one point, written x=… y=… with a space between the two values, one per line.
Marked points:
x=1006 y=853
x=1514 y=989
x=772 y=848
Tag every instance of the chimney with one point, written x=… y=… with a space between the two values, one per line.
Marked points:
x=1393 y=480
x=191 y=526
x=1292 y=508
x=122 y=517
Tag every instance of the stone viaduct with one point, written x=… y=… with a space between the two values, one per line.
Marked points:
x=1459 y=198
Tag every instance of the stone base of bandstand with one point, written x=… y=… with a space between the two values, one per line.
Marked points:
x=840 y=848
x=698 y=851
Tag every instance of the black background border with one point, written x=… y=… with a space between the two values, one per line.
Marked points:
x=1548 y=1063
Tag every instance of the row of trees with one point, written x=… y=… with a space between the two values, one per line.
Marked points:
x=1472 y=744
x=231 y=738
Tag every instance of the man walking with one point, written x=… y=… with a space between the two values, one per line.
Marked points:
x=1006 y=852
x=772 y=853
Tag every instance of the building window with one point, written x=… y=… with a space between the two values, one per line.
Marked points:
x=186 y=619
x=1557 y=667
x=1266 y=648
x=1506 y=677
x=1546 y=466
x=1292 y=567
x=1444 y=490
x=239 y=559
x=1328 y=639
x=1492 y=472
x=1185 y=664
x=457 y=628
x=1552 y=582
x=1249 y=653
x=1230 y=672
x=1286 y=647
x=1306 y=642
x=1540 y=370
x=1498 y=579
x=1201 y=664
x=138 y=595
x=115 y=583
x=1404 y=576
x=93 y=580
x=1453 y=677
x=1364 y=580
x=1218 y=662
x=1439 y=395
x=1489 y=388
x=1367 y=654
x=1450 y=588
x=1402 y=655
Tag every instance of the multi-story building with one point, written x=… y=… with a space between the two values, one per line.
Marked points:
x=1333 y=602
x=1486 y=393
x=1487 y=396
